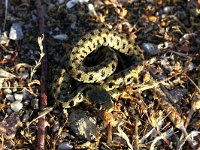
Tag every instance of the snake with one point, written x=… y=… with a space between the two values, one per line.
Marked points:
x=97 y=82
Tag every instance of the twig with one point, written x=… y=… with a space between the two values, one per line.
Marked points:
x=38 y=63
x=136 y=133
x=174 y=116
x=6 y=14
x=43 y=100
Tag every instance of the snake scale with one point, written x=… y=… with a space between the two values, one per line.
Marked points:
x=99 y=80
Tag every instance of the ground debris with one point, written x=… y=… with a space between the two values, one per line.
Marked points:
x=156 y=112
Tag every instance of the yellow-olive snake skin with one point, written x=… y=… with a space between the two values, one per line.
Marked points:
x=102 y=73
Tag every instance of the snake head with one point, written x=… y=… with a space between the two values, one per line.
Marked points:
x=99 y=97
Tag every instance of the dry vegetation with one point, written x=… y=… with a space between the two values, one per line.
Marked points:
x=161 y=111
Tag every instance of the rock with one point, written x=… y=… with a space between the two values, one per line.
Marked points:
x=55 y=127
x=8 y=56
x=25 y=75
x=61 y=37
x=167 y=9
x=65 y=146
x=9 y=111
x=178 y=94
x=18 y=97
x=26 y=102
x=16 y=106
x=189 y=65
x=7 y=91
x=84 y=126
x=71 y=3
x=61 y=1
x=10 y=97
x=16 y=32
x=149 y=48
x=25 y=117
x=35 y=103
x=92 y=10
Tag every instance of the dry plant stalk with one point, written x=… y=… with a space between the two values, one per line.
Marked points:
x=169 y=109
x=38 y=63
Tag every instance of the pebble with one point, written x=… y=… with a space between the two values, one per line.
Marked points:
x=10 y=97
x=189 y=66
x=167 y=9
x=187 y=37
x=18 y=97
x=84 y=126
x=35 y=103
x=26 y=102
x=178 y=94
x=65 y=146
x=71 y=3
x=16 y=106
x=9 y=111
x=8 y=56
x=16 y=32
x=61 y=37
x=25 y=75
x=25 y=94
x=55 y=127
x=7 y=91
x=149 y=48
x=25 y=117
x=61 y=1
x=92 y=10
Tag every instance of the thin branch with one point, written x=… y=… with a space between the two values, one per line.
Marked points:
x=43 y=100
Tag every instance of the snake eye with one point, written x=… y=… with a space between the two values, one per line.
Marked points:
x=128 y=80
x=78 y=76
x=71 y=104
x=98 y=106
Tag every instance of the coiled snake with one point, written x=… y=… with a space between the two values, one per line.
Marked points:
x=99 y=79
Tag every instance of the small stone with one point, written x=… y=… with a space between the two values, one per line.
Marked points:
x=25 y=75
x=65 y=146
x=167 y=9
x=92 y=10
x=61 y=37
x=16 y=32
x=25 y=94
x=10 y=97
x=61 y=1
x=26 y=102
x=25 y=117
x=35 y=103
x=4 y=38
x=7 y=91
x=16 y=106
x=55 y=127
x=189 y=66
x=149 y=48
x=71 y=3
x=72 y=18
x=84 y=126
x=9 y=111
x=18 y=97
x=8 y=56
x=178 y=94
x=14 y=89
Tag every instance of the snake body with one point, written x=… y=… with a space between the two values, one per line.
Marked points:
x=102 y=73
